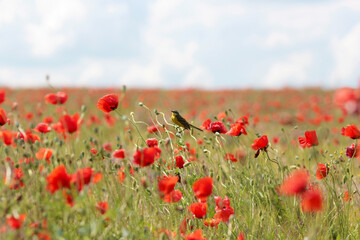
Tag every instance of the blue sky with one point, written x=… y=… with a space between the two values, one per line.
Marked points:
x=180 y=43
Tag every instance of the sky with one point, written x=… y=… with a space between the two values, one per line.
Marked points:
x=206 y=44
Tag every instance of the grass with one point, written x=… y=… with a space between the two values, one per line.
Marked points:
x=136 y=210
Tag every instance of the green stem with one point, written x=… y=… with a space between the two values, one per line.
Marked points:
x=272 y=160
x=132 y=121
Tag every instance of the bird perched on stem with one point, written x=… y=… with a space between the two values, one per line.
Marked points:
x=180 y=121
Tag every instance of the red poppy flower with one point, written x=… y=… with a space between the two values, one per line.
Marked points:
x=350 y=151
x=70 y=123
x=206 y=124
x=230 y=157
x=260 y=143
x=120 y=153
x=322 y=171
x=346 y=196
x=312 y=200
x=3 y=118
x=29 y=137
x=217 y=127
x=275 y=140
x=41 y=168
x=29 y=116
x=58 y=179
x=18 y=173
x=167 y=184
x=158 y=151
x=244 y=120
x=152 y=129
x=179 y=160
x=102 y=207
x=2 y=95
x=223 y=209
x=110 y=120
x=196 y=235
x=93 y=119
x=93 y=151
x=7 y=137
x=43 y=236
x=58 y=98
x=211 y=222
x=241 y=236
x=161 y=233
x=108 y=103
x=221 y=203
x=58 y=127
x=68 y=198
x=38 y=224
x=121 y=175
x=221 y=115
x=198 y=209
x=309 y=140
x=237 y=129
x=152 y=142
x=183 y=226
x=44 y=153
x=351 y=131
x=42 y=128
x=173 y=197
x=82 y=177
x=107 y=147
x=15 y=223
x=48 y=120
x=97 y=178
x=145 y=157
x=203 y=187
x=295 y=184
x=16 y=181
x=356 y=150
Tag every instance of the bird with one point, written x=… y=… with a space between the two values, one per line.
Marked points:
x=180 y=121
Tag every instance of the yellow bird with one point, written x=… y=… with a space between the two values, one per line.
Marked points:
x=180 y=121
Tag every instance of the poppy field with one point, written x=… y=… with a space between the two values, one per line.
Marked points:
x=110 y=164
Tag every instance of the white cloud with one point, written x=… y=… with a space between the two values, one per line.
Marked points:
x=30 y=77
x=301 y=16
x=290 y=24
x=198 y=77
x=353 y=5
x=6 y=75
x=53 y=30
x=277 y=39
x=93 y=71
x=173 y=54
x=292 y=71
x=10 y=10
x=166 y=19
x=142 y=76
x=168 y=38
x=346 y=52
x=43 y=40
x=173 y=16
x=119 y=9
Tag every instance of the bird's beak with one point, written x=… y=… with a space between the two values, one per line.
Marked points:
x=172 y=111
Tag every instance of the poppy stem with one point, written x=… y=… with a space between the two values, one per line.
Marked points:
x=272 y=160
x=153 y=121
x=132 y=121
x=357 y=190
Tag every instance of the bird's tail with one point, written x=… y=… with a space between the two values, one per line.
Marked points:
x=196 y=128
